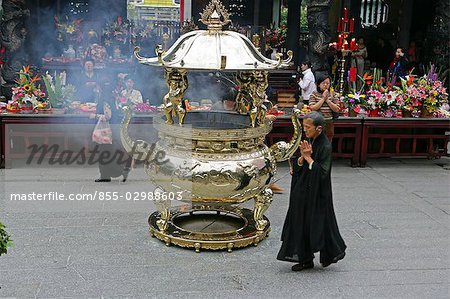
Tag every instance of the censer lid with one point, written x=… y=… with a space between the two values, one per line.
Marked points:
x=214 y=48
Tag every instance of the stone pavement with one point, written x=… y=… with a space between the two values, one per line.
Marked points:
x=393 y=215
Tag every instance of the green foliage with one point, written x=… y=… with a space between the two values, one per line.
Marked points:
x=283 y=16
x=5 y=241
x=303 y=17
x=59 y=96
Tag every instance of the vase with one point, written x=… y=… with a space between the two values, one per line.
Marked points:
x=70 y=52
x=13 y=110
x=374 y=112
x=273 y=55
x=416 y=114
x=425 y=113
x=26 y=109
x=389 y=113
x=406 y=114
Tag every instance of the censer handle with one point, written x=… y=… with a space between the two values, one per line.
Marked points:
x=282 y=151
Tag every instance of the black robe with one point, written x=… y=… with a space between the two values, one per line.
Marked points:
x=118 y=160
x=310 y=224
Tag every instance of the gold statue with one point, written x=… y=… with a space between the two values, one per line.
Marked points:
x=173 y=101
x=244 y=80
x=256 y=40
x=258 y=94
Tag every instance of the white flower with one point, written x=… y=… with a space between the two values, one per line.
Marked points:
x=48 y=77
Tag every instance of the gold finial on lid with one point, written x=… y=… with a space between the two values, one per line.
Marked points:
x=215 y=16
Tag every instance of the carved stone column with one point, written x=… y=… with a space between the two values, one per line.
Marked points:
x=437 y=36
x=319 y=33
x=13 y=35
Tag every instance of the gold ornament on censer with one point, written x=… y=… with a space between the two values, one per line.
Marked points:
x=217 y=160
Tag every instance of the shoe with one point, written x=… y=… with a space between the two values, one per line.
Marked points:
x=125 y=173
x=276 y=189
x=103 y=180
x=300 y=267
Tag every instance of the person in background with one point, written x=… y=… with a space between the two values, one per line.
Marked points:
x=358 y=61
x=412 y=54
x=399 y=66
x=380 y=53
x=87 y=82
x=129 y=94
x=227 y=103
x=120 y=165
x=325 y=102
x=310 y=225
x=307 y=82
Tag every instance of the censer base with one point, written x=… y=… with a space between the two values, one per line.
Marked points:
x=209 y=227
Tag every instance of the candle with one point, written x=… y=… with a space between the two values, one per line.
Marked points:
x=346 y=14
x=352 y=44
x=339 y=29
x=352 y=24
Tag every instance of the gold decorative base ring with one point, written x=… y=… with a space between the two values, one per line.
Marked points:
x=209 y=228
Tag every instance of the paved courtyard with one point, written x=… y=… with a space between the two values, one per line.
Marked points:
x=393 y=215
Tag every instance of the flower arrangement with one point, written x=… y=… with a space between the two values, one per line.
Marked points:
x=142 y=33
x=276 y=38
x=5 y=240
x=118 y=32
x=59 y=95
x=425 y=96
x=413 y=96
x=436 y=93
x=70 y=31
x=354 y=101
x=391 y=102
x=123 y=101
x=28 y=93
x=188 y=26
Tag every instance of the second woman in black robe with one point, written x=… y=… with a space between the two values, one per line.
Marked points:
x=118 y=162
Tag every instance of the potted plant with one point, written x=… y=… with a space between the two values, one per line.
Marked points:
x=27 y=94
x=5 y=240
x=59 y=95
x=355 y=102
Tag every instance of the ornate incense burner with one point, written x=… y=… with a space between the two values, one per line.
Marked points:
x=216 y=159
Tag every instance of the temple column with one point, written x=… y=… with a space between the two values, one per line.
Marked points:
x=319 y=33
x=293 y=28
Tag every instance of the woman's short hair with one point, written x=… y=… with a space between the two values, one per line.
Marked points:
x=320 y=78
x=307 y=62
x=401 y=48
x=317 y=118
x=88 y=60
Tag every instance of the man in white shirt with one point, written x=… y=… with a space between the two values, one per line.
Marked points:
x=307 y=81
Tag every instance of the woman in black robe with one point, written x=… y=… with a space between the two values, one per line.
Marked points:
x=118 y=162
x=310 y=224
